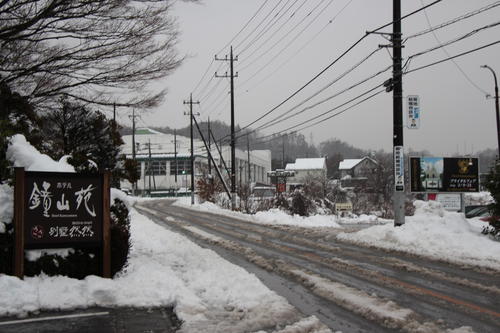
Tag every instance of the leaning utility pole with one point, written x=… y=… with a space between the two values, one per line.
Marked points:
x=133 y=116
x=190 y=102
x=233 y=139
x=398 y=147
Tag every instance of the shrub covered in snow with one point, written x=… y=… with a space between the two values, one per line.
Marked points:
x=70 y=262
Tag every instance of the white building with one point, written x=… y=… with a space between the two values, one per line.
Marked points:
x=170 y=170
x=305 y=168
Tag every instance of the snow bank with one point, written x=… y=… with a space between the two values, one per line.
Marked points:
x=6 y=206
x=479 y=198
x=435 y=233
x=22 y=154
x=165 y=268
x=273 y=216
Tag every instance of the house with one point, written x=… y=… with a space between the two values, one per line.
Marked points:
x=306 y=168
x=165 y=169
x=355 y=172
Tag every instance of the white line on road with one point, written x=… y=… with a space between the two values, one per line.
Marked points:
x=31 y=320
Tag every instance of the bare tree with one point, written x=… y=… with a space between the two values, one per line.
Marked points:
x=90 y=50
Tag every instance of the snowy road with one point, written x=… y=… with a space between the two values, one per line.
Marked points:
x=348 y=287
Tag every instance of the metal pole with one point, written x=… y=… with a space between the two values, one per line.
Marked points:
x=134 y=185
x=497 y=111
x=398 y=147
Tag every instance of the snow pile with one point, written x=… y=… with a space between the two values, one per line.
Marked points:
x=435 y=233
x=165 y=268
x=478 y=198
x=276 y=216
x=273 y=216
x=22 y=154
x=6 y=206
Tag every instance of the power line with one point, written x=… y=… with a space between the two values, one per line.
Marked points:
x=280 y=117
x=273 y=34
x=447 y=54
x=288 y=44
x=269 y=25
x=243 y=28
x=454 y=20
x=334 y=62
x=302 y=47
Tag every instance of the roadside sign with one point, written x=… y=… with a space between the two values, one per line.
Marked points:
x=399 y=170
x=343 y=207
x=58 y=209
x=413 y=119
x=450 y=201
x=444 y=174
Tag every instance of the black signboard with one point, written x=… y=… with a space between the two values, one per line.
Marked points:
x=444 y=174
x=62 y=210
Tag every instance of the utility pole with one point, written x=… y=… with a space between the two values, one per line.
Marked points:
x=133 y=116
x=283 y=152
x=149 y=165
x=209 y=148
x=233 y=138
x=497 y=111
x=190 y=102
x=398 y=147
x=175 y=160
x=248 y=160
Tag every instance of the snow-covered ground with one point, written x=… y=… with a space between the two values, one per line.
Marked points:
x=431 y=232
x=436 y=233
x=164 y=269
x=278 y=217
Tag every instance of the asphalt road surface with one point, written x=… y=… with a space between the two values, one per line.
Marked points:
x=348 y=287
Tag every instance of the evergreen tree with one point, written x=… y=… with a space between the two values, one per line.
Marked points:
x=493 y=185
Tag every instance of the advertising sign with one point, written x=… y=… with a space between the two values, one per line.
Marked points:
x=450 y=201
x=399 y=170
x=438 y=174
x=62 y=209
x=413 y=112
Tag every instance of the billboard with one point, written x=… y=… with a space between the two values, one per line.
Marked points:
x=62 y=209
x=444 y=174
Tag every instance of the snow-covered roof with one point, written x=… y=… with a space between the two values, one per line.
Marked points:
x=307 y=164
x=348 y=164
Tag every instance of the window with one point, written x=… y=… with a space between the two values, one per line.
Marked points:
x=156 y=168
x=182 y=165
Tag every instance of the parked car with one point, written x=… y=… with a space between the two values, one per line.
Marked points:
x=480 y=211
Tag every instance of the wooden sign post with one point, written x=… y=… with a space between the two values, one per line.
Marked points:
x=61 y=210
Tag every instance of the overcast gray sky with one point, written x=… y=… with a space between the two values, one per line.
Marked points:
x=282 y=49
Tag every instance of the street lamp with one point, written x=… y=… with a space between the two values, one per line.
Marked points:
x=496 y=105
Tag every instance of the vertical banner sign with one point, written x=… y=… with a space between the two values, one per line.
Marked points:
x=399 y=170
x=413 y=121
x=444 y=174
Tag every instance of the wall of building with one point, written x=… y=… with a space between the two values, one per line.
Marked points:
x=163 y=161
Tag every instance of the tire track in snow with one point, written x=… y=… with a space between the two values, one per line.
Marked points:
x=308 y=256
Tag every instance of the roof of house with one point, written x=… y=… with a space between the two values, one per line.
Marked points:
x=307 y=164
x=348 y=164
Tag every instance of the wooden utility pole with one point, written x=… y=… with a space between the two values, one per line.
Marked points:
x=398 y=147
x=133 y=116
x=233 y=138
x=190 y=102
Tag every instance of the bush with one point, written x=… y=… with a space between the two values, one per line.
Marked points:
x=6 y=250
x=120 y=236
